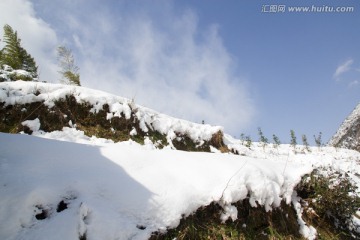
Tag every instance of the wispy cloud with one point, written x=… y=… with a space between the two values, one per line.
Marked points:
x=155 y=53
x=354 y=83
x=343 y=68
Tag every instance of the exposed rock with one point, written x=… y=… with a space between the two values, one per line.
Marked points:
x=348 y=135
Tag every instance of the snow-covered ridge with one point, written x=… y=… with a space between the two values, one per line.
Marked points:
x=20 y=92
x=348 y=135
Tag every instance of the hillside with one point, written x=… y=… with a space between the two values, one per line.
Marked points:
x=55 y=107
x=348 y=135
x=99 y=166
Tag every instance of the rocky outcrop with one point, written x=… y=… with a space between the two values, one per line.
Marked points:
x=348 y=135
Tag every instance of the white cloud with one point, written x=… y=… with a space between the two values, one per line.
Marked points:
x=354 y=83
x=37 y=37
x=343 y=68
x=155 y=54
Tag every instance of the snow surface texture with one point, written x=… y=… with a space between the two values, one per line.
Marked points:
x=20 y=92
x=126 y=190
x=348 y=135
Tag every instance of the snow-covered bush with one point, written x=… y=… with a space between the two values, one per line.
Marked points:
x=8 y=74
x=330 y=198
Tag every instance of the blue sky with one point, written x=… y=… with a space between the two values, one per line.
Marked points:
x=290 y=59
x=225 y=62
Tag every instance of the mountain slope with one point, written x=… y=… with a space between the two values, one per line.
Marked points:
x=348 y=135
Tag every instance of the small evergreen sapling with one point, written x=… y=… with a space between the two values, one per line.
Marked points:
x=276 y=141
x=318 y=140
x=69 y=71
x=293 y=139
x=242 y=138
x=305 y=143
x=263 y=140
x=248 y=142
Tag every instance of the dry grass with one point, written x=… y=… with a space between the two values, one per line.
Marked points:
x=252 y=223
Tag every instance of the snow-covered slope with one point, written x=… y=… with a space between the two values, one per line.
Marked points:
x=67 y=185
x=116 y=110
x=348 y=135
x=126 y=190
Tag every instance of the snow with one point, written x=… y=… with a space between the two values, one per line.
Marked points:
x=111 y=188
x=309 y=232
x=126 y=190
x=7 y=72
x=34 y=125
x=347 y=125
x=20 y=92
x=72 y=135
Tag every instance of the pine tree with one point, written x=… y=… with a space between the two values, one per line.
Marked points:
x=14 y=55
x=0 y=55
x=318 y=140
x=69 y=71
x=248 y=142
x=28 y=63
x=263 y=140
x=293 y=139
x=11 y=51
x=242 y=138
x=276 y=141
x=305 y=142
